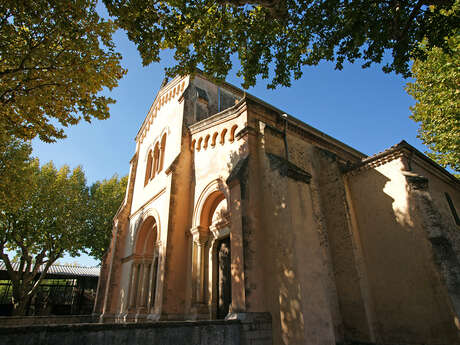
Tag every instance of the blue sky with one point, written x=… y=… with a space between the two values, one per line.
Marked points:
x=364 y=108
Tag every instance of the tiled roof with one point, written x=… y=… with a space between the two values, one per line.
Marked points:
x=388 y=151
x=67 y=270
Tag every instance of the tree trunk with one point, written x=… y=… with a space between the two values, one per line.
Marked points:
x=20 y=305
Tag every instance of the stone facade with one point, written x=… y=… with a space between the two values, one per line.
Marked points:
x=234 y=209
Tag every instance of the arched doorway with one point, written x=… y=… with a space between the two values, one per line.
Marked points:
x=144 y=268
x=224 y=282
x=211 y=286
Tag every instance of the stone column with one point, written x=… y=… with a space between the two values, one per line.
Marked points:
x=151 y=285
x=133 y=287
x=236 y=243
x=200 y=239
x=145 y=284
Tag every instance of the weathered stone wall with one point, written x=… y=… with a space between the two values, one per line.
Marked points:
x=233 y=332
x=408 y=299
x=176 y=256
x=341 y=244
x=427 y=191
x=295 y=273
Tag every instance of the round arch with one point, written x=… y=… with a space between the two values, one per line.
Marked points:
x=150 y=213
x=209 y=198
x=144 y=264
x=146 y=237
x=210 y=269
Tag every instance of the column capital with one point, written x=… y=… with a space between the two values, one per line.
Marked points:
x=200 y=234
x=220 y=229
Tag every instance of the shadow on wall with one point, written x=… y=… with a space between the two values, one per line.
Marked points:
x=405 y=290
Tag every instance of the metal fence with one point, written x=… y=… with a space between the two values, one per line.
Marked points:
x=61 y=296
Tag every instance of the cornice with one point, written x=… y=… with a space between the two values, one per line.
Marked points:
x=306 y=132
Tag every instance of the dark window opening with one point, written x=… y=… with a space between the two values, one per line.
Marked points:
x=452 y=209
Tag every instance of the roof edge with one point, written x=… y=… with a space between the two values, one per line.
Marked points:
x=396 y=151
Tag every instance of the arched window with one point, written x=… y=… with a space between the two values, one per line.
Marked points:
x=144 y=268
x=156 y=159
x=232 y=133
x=162 y=152
x=148 y=168
x=198 y=146
x=222 y=136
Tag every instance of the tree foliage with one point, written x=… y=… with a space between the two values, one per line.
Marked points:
x=49 y=221
x=436 y=89
x=15 y=171
x=46 y=212
x=55 y=58
x=105 y=199
x=280 y=34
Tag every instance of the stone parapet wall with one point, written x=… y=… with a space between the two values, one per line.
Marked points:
x=9 y=321
x=256 y=328
x=220 y=332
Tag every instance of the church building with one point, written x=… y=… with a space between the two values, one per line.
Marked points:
x=235 y=209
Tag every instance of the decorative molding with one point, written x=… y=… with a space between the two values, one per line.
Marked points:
x=200 y=235
x=306 y=132
x=220 y=229
x=156 y=196
x=137 y=258
x=217 y=185
x=125 y=208
x=175 y=88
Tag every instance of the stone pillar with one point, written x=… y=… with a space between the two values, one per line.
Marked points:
x=236 y=243
x=153 y=274
x=200 y=239
x=113 y=272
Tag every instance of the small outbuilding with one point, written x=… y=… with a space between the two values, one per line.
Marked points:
x=66 y=290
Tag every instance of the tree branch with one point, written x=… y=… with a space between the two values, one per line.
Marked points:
x=51 y=67
x=52 y=259
x=9 y=266
x=412 y=15
x=27 y=91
